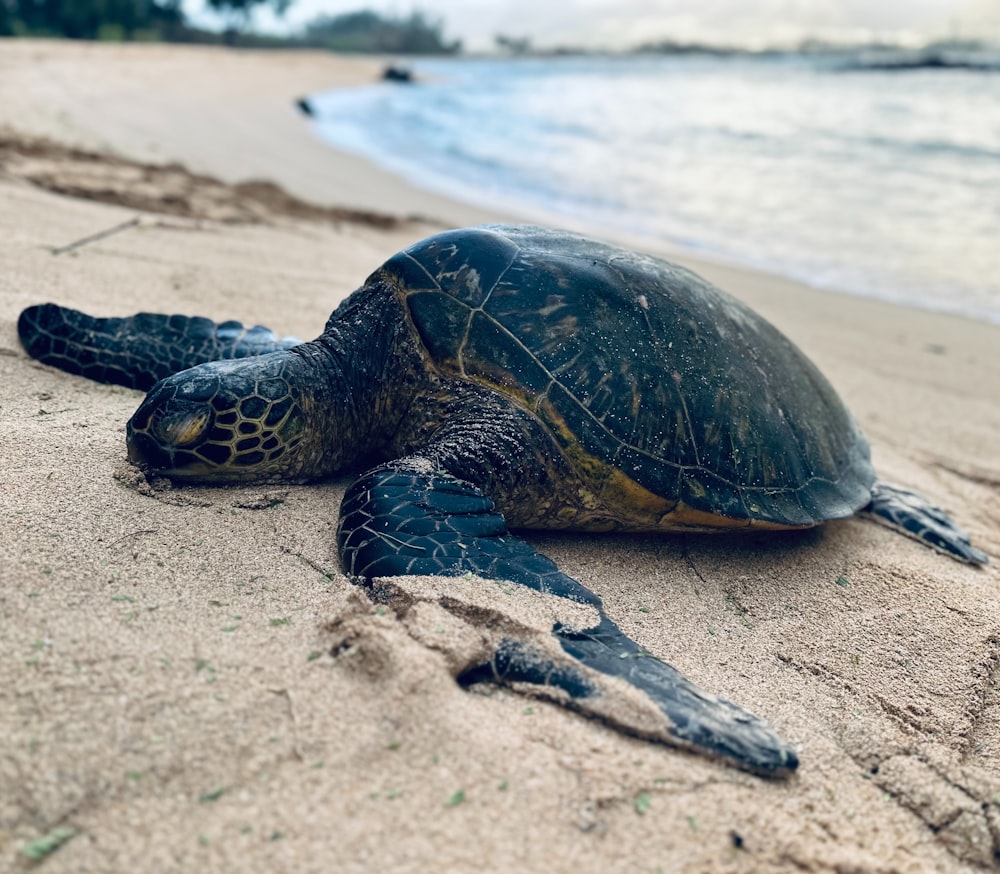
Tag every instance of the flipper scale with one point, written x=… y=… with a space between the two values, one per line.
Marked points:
x=913 y=515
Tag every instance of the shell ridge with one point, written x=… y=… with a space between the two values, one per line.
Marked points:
x=499 y=279
x=481 y=309
x=423 y=270
x=553 y=380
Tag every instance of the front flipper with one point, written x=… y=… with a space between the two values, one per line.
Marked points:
x=913 y=515
x=409 y=519
x=139 y=350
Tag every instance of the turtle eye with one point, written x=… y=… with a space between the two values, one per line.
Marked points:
x=180 y=423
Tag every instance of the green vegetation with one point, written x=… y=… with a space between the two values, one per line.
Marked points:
x=367 y=31
x=117 y=20
x=237 y=13
x=48 y=843
x=91 y=19
x=455 y=799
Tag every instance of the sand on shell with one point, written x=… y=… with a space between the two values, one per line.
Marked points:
x=176 y=690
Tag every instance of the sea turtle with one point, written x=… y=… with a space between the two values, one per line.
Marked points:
x=509 y=375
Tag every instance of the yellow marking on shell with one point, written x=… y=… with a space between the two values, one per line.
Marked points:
x=626 y=495
x=553 y=303
x=605 y=487
x=685 y=518
x=556 y=423
x=696 y=488
x=503 y=381
x=567 y=514
x=591 y=470
x=618 y=501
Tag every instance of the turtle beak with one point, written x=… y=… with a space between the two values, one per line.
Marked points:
x=165 y=426
x=143 y=451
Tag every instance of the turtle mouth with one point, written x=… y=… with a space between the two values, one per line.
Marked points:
x=143 y=451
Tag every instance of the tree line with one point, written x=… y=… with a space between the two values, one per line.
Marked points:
x=367 y=31
x=115 y=20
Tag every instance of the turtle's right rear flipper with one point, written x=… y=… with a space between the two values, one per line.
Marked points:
x=139 y=350
x=695 y=719
x=406 y=518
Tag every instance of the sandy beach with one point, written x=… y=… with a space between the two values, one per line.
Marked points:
x=176 y=694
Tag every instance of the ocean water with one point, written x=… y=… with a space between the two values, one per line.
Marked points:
x=871 y=182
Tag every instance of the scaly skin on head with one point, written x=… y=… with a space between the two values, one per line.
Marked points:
x=227 y=420
x=288 y=416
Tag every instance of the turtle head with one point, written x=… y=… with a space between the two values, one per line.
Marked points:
x=224 y=421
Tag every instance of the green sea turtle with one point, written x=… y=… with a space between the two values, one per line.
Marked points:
x=513 y=376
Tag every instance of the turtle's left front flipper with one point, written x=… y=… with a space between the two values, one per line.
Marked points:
x=408 y=519
x=136 y=351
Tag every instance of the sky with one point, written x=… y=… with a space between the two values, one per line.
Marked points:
x=622 y=23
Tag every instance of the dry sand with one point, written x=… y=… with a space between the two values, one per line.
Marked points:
x=168 y=690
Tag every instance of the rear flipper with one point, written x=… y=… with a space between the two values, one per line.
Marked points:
x=916 y=517
x=695 y=720
x=139 y=350
x=410 y=519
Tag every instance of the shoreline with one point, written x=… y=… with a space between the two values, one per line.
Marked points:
x=522 y=212
x=946 y=284
x=322 y=174
x=188 y=682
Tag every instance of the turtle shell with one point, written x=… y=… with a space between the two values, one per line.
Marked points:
x=642 y=372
